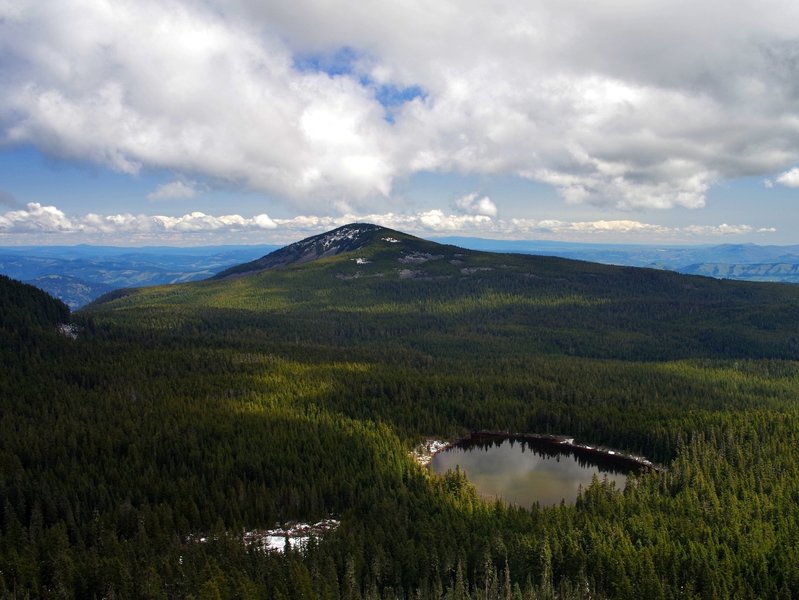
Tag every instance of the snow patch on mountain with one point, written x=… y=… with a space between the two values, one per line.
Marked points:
x=338 y=237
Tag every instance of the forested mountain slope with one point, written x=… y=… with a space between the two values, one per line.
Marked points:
x=204 y=409
x=26 y=305
x=389 y=285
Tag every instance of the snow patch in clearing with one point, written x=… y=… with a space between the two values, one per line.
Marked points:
x=69 y=330
x=361 y=261
x=277 y=543
x=390 y=240
x=295 y=533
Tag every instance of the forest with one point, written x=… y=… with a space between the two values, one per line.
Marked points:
x=297 y=393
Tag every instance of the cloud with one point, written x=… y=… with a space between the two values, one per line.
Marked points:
x=622 y=226
x=36 y=219
x=790 y=178
x=177 y=85
x=434 y=220
x=473 y=204
x=722 y=229
x=594 y=99
x=173 y=190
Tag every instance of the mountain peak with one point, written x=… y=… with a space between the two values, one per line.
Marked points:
x=347 y=238
x=347 y=235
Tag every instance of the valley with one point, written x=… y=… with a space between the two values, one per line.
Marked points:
x=79 y=274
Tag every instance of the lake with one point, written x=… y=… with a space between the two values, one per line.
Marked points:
x=523 y=472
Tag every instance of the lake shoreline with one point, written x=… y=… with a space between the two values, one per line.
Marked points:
x=562 y=442
x=424 y=452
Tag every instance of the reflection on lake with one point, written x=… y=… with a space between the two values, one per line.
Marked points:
x=524 y=472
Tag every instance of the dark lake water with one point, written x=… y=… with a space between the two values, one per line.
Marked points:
x=522 y=472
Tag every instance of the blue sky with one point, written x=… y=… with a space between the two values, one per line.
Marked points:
x=184 y=122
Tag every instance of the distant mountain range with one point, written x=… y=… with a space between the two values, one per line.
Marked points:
x=743 y=262
x=79 y=274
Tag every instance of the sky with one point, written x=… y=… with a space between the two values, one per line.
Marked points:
x=193 y=122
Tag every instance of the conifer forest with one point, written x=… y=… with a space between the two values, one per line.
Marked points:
x=142 y=436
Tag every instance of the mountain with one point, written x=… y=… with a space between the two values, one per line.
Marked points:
x=23 y=304
x=782 y=272
x=348 y=238
x=79 y=274
x=393 y=281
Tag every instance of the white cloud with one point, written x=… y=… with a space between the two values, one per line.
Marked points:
x=36 y=219
x=264 y=222
x=173 y=85
x=474 y=204
x=436 y=220
x=601 y=227
x=595 y=99
x=174 y=190
x=790 y=178
x=722 y=229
